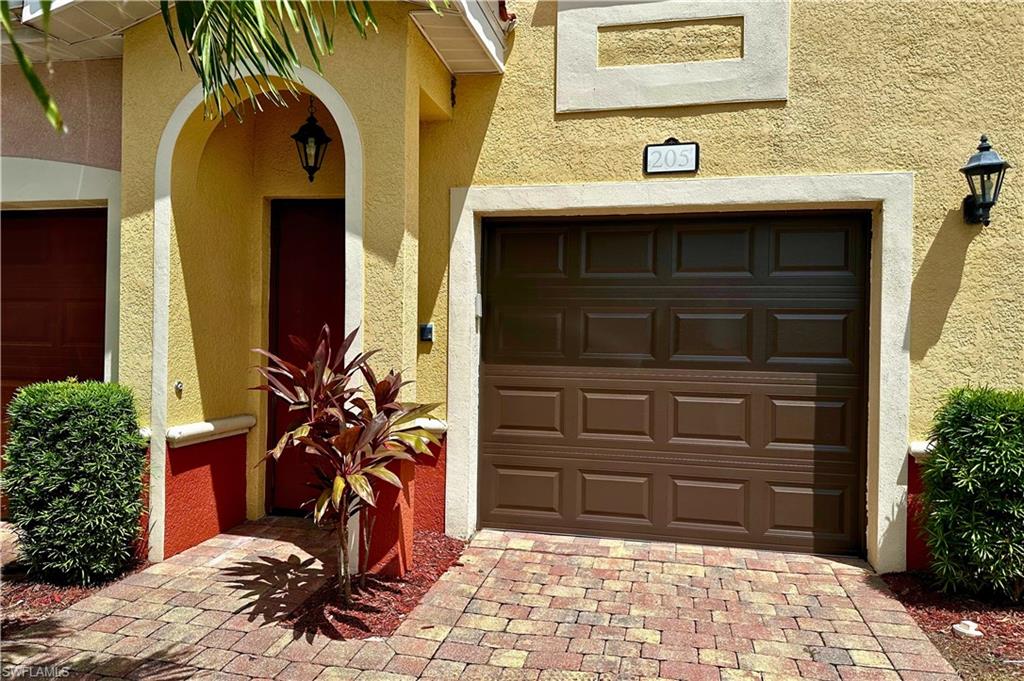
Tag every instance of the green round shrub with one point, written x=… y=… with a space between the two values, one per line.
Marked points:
x=73 y=478
x=973 y=510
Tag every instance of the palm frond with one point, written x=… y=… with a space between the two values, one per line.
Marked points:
x=236 y=48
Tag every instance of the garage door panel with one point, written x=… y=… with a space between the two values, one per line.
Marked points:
x=693 y=379
x=822 y=339
x=626 y=333
x=625 y=416
x=814 y=252
x=713 y=250
x=526 y=491
x=616 y=495
x=711 y=504
x=531 y=252
x=798 y=510
x=712 y=419
x=692 y=413
x=618 y=252
x=529 y=333
x=810 y=422
x=525 y=411
x=723 y=335
x=28 y=323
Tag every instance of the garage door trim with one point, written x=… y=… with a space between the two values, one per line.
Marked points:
x=888 y=195
x=31 y=184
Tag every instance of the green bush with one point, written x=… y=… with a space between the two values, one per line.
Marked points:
x=973 y=511
x=73 y=478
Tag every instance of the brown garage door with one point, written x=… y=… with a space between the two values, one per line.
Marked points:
x=689 y=378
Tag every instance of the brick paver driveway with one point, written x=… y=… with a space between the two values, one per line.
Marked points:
x=519 y=606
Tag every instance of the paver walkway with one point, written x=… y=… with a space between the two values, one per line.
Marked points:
x=519 y=606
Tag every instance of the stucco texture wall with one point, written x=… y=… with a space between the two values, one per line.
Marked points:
x=88 y=94
x=873 y=86
x=222 y=175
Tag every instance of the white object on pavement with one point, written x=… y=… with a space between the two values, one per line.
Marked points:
x=968 y=629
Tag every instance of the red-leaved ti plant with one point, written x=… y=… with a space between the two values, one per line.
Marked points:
x=352 y=432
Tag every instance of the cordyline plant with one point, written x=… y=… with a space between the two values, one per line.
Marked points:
x=352 y=434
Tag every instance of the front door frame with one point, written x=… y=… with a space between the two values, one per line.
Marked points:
x=888 y=195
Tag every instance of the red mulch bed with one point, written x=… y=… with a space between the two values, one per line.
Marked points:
x=379 y=608
x=987 y=658
x=25 y=601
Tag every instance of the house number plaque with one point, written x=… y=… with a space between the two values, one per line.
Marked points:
x=671 y=156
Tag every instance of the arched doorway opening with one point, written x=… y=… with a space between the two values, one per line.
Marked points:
x=226 y=192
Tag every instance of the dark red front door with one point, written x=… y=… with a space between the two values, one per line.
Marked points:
x=307 y=290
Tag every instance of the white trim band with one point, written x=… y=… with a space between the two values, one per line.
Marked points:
x=435 y=426
x=921 y=449
x=205 y=431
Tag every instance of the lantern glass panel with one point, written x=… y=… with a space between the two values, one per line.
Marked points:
x=999 y=184
x=973 y=186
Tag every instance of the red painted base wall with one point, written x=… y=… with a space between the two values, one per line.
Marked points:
x=205 y=492
x=918 y=557
x=430 y=474
x=399 y=514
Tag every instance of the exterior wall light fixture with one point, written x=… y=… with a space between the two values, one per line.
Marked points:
x=984 y=172
x=311 y=141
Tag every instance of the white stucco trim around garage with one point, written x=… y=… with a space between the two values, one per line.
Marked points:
x=760 y=74
x=37 y=184
x=888 y=195
x=352 y=144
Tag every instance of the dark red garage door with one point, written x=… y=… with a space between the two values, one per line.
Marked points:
x=687 y=378
x=53 y=272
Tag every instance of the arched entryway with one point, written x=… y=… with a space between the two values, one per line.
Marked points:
x=220 y=187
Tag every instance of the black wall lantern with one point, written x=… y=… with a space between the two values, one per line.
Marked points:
x=311 y=141
x=984 y=172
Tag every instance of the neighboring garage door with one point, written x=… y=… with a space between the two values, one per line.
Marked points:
x=53 y=277
x=691 y=378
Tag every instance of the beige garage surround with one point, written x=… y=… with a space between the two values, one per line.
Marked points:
x=888 y=195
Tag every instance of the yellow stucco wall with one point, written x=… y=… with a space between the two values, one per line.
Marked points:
x=223 y=174
x=873 y=87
